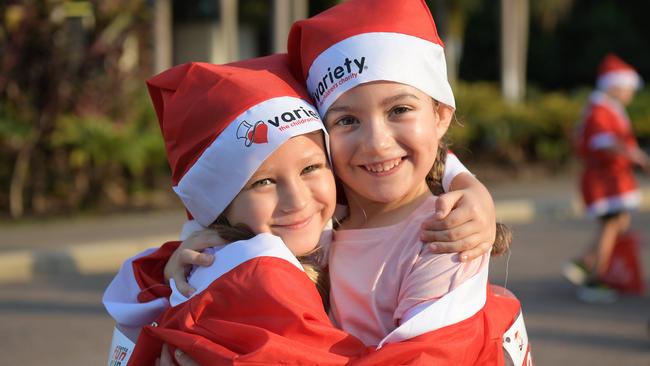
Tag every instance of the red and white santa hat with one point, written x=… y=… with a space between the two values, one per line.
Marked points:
x=220 y=122
x=360 y=41
x=614 y=72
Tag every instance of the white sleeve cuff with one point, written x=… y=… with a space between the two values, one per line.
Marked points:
x=453 y=167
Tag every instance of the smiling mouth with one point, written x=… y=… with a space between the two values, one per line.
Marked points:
x=384 y=167
x=295 y=225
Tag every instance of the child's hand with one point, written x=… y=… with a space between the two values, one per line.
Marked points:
x=464 y=222
x=181 y=358
x=188 y=254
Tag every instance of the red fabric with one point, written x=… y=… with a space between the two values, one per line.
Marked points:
x=612 y=63
x=605 y=174
x=266 y=311
x=149 y=273
x=193 y=109
x=310 y=37
x=624 y=271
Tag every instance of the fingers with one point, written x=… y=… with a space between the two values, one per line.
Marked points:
x=458 y=216
x=203 y=239
x=189 y=257
x=182 y=285
x=456 y=246
x=165 y=358
x=450 y=235
x=475 y=252
x=446 y=202
x=467 y=250
x=183 y=359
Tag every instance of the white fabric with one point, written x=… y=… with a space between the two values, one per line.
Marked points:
x=625 y=202
x=621 y=78
x=121 y=348
x=229 y=257
x=379 y=56
x=457 y=305
x=602 y=141
x=515 y=341
x=453 y=167
x=218 y=175
x=121 y=298
x=189 y=228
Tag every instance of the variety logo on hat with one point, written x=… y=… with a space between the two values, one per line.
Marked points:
x=257 y=134
x=394 y=41
x=337 y=77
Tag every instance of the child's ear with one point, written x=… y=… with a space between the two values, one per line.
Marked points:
x=445 y=114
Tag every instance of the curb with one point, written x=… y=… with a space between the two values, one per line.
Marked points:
x=20 y=266
x=87 y=259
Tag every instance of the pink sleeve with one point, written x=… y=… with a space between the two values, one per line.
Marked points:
x=432 y=276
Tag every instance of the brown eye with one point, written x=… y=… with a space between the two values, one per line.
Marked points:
x=262 y=182
x=311 y=168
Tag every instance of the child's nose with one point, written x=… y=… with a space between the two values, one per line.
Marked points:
x=295 y=197
x=377 y=136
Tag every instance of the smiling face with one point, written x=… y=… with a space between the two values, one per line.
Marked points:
x=292 y=194
x=383 y=140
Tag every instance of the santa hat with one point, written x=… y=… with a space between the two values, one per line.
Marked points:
x=361 y=41
x=220 y=122
x=614 y=72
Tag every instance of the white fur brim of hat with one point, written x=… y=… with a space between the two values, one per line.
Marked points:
x=622 y=78
x=379 y=56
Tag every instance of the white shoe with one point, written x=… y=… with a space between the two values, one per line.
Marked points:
x=575 y=273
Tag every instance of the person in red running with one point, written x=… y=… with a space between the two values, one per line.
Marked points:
x=608 y=151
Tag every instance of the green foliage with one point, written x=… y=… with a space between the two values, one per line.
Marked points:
x=538 y=130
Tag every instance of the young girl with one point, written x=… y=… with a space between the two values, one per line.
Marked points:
x=247 y=129
x=380 y=82
x=609 y=150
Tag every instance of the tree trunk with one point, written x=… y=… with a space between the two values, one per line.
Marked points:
x=514 y=48
x=19 y=179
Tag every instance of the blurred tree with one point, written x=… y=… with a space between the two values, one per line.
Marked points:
x=65 y=61
x=451 y=17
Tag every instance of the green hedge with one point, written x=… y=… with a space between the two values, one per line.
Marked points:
x=538 y=130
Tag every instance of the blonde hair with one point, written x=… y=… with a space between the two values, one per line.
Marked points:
x=311 y=262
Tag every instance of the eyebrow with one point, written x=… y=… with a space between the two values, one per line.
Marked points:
x=398 y=97
x=389 y=100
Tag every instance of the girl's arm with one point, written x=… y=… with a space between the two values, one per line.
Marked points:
x=465 y=220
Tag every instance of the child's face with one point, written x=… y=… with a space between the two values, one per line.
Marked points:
x=383 y=139
x=623 y=94
x=292 y=194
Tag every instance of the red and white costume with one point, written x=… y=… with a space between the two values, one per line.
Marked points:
x=607 y=183
x=255 y=305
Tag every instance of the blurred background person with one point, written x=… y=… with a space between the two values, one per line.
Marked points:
x=609 y=151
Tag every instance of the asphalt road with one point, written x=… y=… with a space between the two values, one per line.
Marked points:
x=60 y=320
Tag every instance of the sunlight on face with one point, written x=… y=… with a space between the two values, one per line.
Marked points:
x=292 y=194
x=383 y=139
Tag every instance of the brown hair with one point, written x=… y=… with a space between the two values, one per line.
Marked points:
x=311 y=262
x=503 y=237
